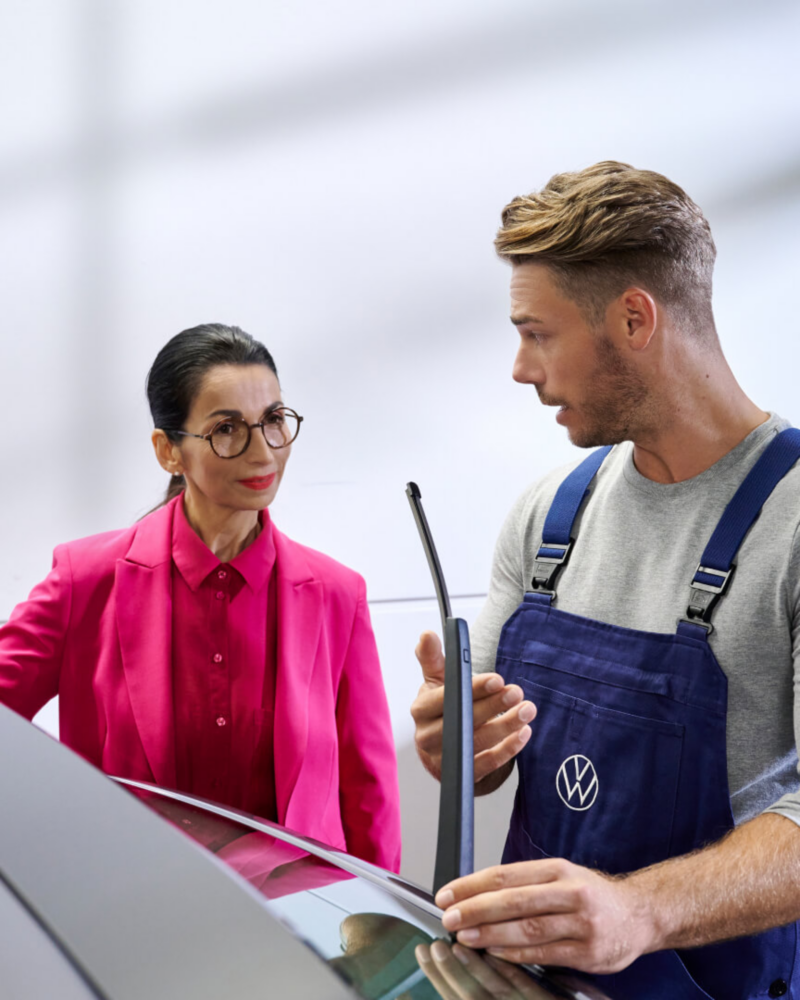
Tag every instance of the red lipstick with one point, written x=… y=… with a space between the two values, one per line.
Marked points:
x=258 y=482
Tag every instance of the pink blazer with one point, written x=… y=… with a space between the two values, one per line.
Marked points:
x=98 y=633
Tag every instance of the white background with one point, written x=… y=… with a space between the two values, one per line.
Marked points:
x=329 y=176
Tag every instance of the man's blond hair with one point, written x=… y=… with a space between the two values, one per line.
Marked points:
x=609 y=227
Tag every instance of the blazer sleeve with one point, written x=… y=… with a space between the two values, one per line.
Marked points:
x=369 y=795
x=32 y=641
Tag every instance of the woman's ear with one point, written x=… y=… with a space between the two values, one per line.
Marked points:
x=167 y=452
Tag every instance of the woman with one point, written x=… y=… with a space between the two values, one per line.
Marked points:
x=203 y=650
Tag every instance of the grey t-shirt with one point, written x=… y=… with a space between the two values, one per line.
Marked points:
x=638 y=544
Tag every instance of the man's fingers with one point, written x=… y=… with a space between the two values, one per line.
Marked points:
x=490 y=700
x=496 y=729
x=569 y=954
x=524 y=904
x=488 y=761
x=499 y=877
x=489 y=695
x=431 y=659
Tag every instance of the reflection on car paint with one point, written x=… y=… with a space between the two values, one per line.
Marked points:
x=383 y=945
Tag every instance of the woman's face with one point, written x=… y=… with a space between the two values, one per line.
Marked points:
x=251 y=480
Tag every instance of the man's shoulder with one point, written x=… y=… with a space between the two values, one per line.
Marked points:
x=535 y=499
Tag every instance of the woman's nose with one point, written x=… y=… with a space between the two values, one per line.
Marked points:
x=259 y=445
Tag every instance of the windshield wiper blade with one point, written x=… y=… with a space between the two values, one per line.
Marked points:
x=456 y=837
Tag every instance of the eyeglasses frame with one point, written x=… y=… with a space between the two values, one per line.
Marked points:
x=250 y=429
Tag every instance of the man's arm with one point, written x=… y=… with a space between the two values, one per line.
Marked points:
x=556 y=913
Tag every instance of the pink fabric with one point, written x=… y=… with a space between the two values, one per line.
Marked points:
x=224 y=652
x=98 y=632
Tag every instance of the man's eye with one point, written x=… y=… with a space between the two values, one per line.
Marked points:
x=276 y=417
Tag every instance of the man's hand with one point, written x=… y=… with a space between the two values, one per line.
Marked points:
x=549 y=913
x=500 y=715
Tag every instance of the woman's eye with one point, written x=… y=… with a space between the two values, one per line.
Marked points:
x=226 y=428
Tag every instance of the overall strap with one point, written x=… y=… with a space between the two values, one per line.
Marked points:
x=716 y=566
x=557 y=532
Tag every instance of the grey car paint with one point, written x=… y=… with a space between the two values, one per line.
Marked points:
x=139 y=910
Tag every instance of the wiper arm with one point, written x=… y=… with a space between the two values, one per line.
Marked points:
x=455 y=843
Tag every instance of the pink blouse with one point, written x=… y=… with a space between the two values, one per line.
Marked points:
x=224 y=655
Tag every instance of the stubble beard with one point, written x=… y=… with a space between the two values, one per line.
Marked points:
x=617 y=406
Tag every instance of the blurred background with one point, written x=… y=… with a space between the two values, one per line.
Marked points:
x=329 y=176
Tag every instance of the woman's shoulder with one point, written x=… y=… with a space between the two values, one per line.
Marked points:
x=95 y=554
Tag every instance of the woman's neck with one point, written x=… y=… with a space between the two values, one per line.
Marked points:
x=226 y=532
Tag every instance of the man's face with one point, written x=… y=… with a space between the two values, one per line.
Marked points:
x=573 y=365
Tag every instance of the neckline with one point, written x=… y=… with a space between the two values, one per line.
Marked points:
x=719 y=470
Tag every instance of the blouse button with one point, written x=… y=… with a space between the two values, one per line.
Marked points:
x=222 y=574
x=221 y=721
x=217 y=657
x=220 y=595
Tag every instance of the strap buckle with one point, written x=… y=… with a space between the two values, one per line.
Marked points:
x=549 y=561
x=723 y=576
x=709 y=628
x=705 y=593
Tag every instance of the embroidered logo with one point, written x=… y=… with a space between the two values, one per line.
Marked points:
x=576 y=783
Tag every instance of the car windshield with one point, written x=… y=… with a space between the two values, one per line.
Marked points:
x=383 y=946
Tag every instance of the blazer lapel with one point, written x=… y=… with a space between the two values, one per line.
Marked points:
x=144 y=624
x=299 y=623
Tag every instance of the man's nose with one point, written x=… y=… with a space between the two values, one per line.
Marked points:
x=526 y=369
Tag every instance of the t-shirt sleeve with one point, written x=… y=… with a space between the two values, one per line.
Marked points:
x=506 y=589
x=788 y=805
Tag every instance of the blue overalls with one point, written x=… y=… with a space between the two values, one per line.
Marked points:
x=627 y=764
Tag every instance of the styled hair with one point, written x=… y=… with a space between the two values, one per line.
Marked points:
x=608 y=227
x=181 y=365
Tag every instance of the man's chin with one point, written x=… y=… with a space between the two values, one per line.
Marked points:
x=596 y=437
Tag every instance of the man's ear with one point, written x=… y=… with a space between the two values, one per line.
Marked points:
x=167 y=452
x=633 y=319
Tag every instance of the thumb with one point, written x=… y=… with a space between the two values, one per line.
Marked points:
x=431 y=659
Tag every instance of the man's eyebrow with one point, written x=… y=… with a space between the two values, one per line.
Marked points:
x=522 y=320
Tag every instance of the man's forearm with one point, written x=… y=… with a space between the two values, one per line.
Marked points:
x=745 y=883
x=553 y=912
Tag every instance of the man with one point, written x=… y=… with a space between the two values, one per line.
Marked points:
x=644 y=689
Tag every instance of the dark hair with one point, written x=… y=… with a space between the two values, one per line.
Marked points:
x=180 y=367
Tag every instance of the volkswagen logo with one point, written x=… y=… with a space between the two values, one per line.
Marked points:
x=576 y=783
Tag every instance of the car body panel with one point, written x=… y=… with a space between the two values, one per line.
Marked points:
x=32 y=965
x=140 y=911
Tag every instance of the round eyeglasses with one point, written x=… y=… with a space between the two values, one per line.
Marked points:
x=230 y=437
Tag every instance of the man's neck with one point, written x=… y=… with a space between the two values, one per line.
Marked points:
x=708 y=416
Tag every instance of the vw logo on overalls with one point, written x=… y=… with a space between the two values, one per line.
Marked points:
x=576 y=783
